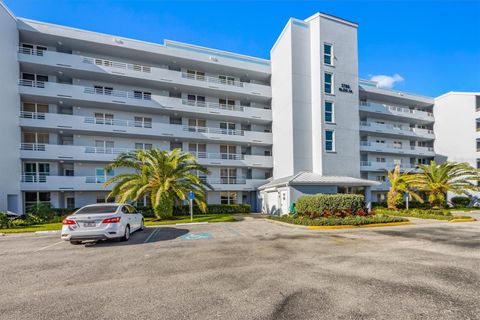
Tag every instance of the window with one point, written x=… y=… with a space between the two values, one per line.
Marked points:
x=397 y=144
x=267 y=153
x=381 y=178
x=329 y=140
x=103 y=146
x=175 y=120
x=143 y=146
x=143 y=122
x=227 y=127
x=197 y=125
x=228 y=152
x=35 y=171
x=226 y=104
x=142 y=95
x=102 y=198
x=104 y=118
x=329 y=112
x=102 y=175
x=35 y=137
x=36 y=198
x=328 y=54
x=34 y=80
x=32 y=110
x=197 y=75
x=328 y=83
x=176 y=145
x=195 y=100
x=198 y=149
x=103 y=90
x=381 y=197
x=381 y=159
x=68 y=172
x=380 y=141
x=226 y=80
x=228 y=176
x=228 y=197
x=70 y=202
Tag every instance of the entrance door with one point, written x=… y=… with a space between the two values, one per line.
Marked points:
x=284 y=202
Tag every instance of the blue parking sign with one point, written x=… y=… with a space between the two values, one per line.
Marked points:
x=191 y=195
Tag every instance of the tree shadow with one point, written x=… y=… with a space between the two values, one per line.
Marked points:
x=149 y=235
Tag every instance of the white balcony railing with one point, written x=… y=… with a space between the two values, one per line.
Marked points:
x=394 y=147
x=31 y=83
x=373 y=165
x=213 y=105
x=230 y=132
x=31 y=51
x=34 y=178
x=117 y=93
x=389 y=128
x=384 y=108
x=32 y=146
x=50 y=57
x=118 y=65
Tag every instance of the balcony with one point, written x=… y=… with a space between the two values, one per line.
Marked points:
x=390 y=130
x=83 y=66
x=401 y=112
x=384 y=186
x=383 y=166
x=36 y=151
x=95 y=183
x=52 y=91
x=392 y=148
x=153 y=130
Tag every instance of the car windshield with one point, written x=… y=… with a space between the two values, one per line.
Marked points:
x=97 y=209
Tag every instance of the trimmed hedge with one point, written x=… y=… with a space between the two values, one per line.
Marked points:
x=437 y=214
x=460 y=202
x=335 y=221
x=324 y=205
x=184 y=210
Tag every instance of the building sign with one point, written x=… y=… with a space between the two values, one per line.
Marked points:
x=345 y=88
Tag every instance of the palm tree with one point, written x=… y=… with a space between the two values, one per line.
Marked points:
x=163 y=176
x=398 y=186
x=438 y=179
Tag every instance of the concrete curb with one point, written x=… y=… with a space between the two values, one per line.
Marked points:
x=47 y=231
x=372 y=225
x=463 y=220
x=190 y=223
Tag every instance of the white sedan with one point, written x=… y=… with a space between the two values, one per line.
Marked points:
x=102 y=222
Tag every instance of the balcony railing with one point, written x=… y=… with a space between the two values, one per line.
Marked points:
x=390 y=127
x=386 y=165
x=222 y=156
x=117 y=93
x=233 y=132
x=42 y=178
x=32 y=146
x=118 y=65
x=397 y=109
x=211 y=79
x=105 y=150
x=31 y=83
x=32 y=115
x=31 y=51
x=213 y=105
x=118 y=122
x=394 y=146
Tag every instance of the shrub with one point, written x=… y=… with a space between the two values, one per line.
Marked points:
x=325 y=205
x=41 y=211
x=184 y=210
x=4 y=221
x=460 y=202
x=335 y=221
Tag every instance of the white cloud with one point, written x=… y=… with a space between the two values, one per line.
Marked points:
x=384 y=81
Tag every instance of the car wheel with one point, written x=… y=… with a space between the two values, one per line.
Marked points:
x=75 y=242
x=142 y=225
x=126 y=236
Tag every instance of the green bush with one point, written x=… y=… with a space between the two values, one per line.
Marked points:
x=324 y=205
x=335 y=221
x=4 y=221
x=460 y=202
x=184 y=210
x=437 y=214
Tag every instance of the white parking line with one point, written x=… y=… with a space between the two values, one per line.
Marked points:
x=151 y=235
x=49 y=246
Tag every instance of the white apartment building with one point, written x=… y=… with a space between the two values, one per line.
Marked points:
x=268 y=130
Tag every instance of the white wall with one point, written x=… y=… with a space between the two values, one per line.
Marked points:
x=10 y=165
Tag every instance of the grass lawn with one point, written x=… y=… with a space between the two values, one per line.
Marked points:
x=334 y=221
x=148 y=222
x=196 y=218
x=33 y=228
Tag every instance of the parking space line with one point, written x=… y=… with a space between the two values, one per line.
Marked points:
x=49 y=246
x=151 y=235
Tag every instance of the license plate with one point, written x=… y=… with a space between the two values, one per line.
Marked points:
x=89 y=224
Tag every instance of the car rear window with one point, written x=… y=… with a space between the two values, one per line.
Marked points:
x=97 y=209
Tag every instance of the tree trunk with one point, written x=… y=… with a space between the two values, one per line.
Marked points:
x=391 y=199
x=165 y=209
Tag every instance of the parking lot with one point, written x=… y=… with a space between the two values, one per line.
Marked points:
x=251 y=269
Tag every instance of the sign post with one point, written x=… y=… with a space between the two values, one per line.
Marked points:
x=191 y=196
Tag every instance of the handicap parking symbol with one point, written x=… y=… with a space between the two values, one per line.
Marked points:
x=197 y=236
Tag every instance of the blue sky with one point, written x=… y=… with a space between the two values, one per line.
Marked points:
x=434 y=46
